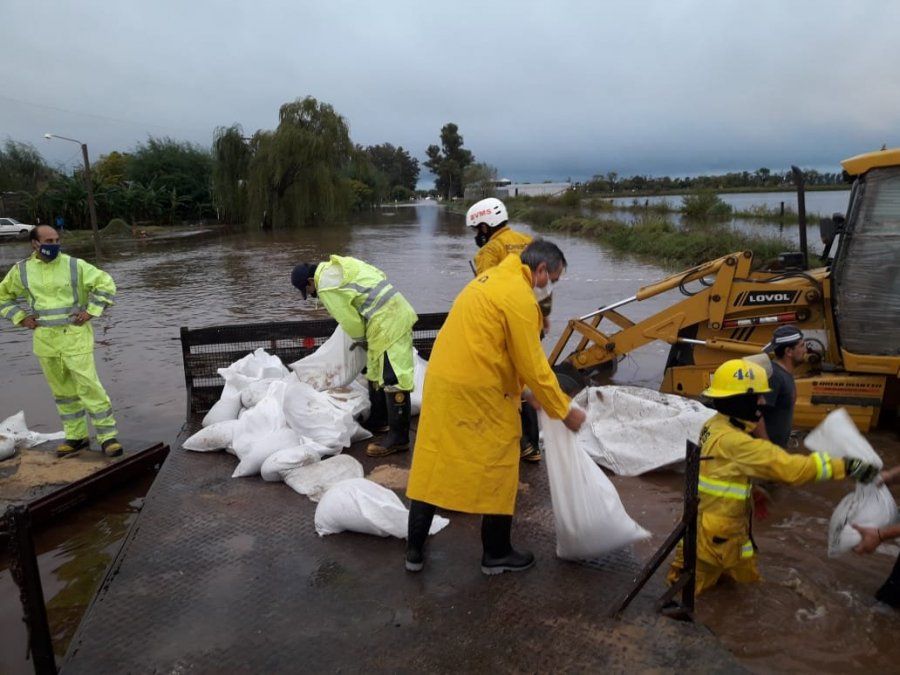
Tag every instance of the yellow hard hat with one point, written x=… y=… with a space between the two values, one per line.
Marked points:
x=736 y=377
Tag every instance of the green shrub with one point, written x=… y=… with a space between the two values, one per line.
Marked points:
x=704 y=204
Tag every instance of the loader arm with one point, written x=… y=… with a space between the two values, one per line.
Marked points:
x=710 y=305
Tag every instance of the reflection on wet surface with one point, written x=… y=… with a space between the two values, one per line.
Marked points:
x=223 y=277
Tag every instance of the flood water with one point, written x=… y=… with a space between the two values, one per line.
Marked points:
x=813 y=613
x=818 y=204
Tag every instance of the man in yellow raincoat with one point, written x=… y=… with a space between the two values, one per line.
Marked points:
x=467 y=447
x=380 y=320
x=496 y=240
x=731 y=456
x=56 y=296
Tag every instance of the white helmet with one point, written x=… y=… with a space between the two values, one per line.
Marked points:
x=490 y=211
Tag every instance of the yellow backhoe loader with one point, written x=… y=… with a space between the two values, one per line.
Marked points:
x=848 y=307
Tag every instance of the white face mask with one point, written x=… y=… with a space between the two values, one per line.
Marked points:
x=545 y=292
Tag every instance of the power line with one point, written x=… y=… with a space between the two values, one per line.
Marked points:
x=106 y=118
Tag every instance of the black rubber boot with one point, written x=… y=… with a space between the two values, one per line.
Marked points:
x=420 y=517
x=377 y=421
x=529 y=444
x=397 y=439
x=499 y=556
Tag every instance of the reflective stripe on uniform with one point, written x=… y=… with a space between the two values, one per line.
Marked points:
x=823 y=466
x=372 y=295
x=722 y=488
x=8 y=309
x=64 y=401
x=44 y=323
x=103 y=294
x=381 y=302
x=23 y=277
x=105 y=428
x=73 y=274
x=71 y=416
x=103 y=414
x=747 y=550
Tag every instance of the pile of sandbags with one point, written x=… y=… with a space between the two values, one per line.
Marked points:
x=291 y=425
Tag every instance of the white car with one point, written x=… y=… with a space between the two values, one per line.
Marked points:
x=10 y=227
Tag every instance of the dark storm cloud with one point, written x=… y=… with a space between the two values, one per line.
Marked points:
x=538 y=89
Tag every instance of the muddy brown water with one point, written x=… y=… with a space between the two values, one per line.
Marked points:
x=811 y=613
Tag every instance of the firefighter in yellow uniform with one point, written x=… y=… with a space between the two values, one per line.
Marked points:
x=56 y=296
x=377 y=316
x=496 y=240
x=730 y=457
x=467 y=444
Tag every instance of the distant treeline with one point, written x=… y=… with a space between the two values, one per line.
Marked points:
x=761 y=179
x=306 y=170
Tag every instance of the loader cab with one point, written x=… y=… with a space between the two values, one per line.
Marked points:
x=864 y=252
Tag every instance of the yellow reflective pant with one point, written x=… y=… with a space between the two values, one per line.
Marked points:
x=717 y=557
x=79 y=395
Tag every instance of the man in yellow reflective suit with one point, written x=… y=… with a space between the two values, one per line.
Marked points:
x=467 y=444
x=496 y=240
x=373 y=313
x=730 y=457
x=56 y=296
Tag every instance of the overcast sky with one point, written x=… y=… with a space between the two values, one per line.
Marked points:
x=540 y=90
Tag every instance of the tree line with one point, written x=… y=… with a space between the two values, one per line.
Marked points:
x=762 y=178
x=306 y=170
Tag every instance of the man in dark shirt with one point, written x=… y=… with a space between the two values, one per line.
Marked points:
x=789 y=350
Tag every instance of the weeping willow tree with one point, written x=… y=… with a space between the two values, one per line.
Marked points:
x=232 y=156
x=298 y=173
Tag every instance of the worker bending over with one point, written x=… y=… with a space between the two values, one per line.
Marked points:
x=467 y=447
x=56 y=296
x=496 y=240
x=730 y=457
x=375 y=315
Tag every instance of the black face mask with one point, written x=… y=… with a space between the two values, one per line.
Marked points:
x=481 y=238
x=742 y=407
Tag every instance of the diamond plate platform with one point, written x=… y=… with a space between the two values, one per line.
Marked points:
x=228 y=575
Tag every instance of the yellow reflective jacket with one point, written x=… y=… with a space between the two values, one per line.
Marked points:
x=467 y=446
x=54 y=291
x=501 y=244
x=362 y=301
x=731 y=457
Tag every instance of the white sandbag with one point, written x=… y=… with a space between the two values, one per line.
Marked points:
x=7 y=447
x=633 y=430
x=257 y=365
x=838 y=436
x=228 y=407
x=261 y=448
x=282 y=461
x=313 y=414
x=415 y=399
x=360 y=505
x=265 y=417
x=254 y=392
x=314 y=479
x=354 y=398
x=216 y=436
x=333 y=364
x=14 y=433
x=868 y=505
x=590 y=519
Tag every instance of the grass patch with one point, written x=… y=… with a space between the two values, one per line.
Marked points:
x=658 y=239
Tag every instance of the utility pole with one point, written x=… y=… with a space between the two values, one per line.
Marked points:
x=89 y=186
